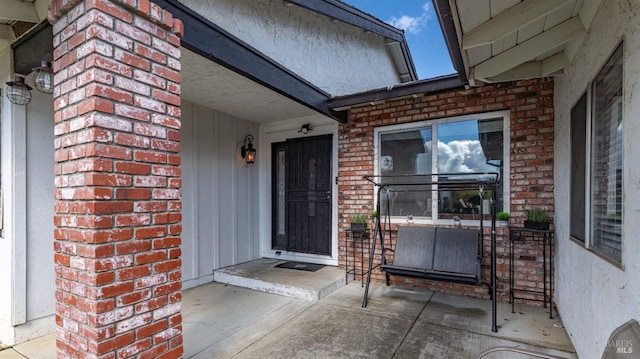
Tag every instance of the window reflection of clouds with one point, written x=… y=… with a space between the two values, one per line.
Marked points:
x=468 y=146
x=462 y=157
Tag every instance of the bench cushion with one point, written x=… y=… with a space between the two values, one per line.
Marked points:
x=415 y=247
x=456 y=251
x=449 y=254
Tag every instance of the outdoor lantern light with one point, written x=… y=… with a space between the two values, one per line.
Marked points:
x=18 y=92
x=43 y=78
x=247 y=151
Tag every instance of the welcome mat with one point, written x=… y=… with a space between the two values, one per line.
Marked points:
x=308 y=267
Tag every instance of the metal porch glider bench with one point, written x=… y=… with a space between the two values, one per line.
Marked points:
x=450 y=254
x=436 y=253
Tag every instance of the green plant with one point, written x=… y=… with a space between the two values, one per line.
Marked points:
x=359 y=218
x=374 y=213
x=537 y=215
x=614 y=217
x=503 y=216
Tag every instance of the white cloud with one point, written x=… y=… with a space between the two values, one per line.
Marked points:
x=413 y=24
x=462 y=157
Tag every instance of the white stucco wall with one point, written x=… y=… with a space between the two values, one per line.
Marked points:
x=219 y=193
x=595 y=297
x=336 y=57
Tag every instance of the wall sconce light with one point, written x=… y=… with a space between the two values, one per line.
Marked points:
x=305 y=129
x=43 y=78
x=18 y=92
x=247 y=151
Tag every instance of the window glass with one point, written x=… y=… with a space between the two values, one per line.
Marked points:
x=467 y=146
x=578 y=168
x=606 y=159
x=279 y=235
x=406 y=153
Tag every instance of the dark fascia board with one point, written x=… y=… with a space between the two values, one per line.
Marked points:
x=214 y=43
x=32 y=47
x=445 y=17
x=352 y=16
x=338 y=10
x=437 y=84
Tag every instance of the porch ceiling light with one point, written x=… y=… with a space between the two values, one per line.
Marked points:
x=247 y=151
x=18 y=92
x=306 y=128
x=43 y=78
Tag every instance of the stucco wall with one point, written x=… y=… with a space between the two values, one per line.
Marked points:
x=594 y=297
x=219 y=194
x=338 y=58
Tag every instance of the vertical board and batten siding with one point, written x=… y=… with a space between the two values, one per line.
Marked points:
x=219 y=194
x=39 y=207
x=26 y=243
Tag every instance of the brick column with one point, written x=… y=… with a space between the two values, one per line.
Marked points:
x=117 y=158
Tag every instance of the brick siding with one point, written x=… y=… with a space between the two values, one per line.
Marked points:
x=530 y=104
x=118 y=185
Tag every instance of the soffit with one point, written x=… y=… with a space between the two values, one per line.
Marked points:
x=16 y=18
x=206 y=83
x=506 y=40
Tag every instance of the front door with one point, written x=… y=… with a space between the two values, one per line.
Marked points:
x=301 y=177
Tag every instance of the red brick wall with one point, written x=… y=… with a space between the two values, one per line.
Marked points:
x=118 y=220
x=530 y=104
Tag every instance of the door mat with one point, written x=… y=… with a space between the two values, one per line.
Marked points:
x=308 y=267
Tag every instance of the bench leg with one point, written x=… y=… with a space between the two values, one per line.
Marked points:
x=388 y=278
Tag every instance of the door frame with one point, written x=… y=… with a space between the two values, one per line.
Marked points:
x=279 y=132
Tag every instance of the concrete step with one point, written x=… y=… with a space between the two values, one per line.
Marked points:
x=263 y=275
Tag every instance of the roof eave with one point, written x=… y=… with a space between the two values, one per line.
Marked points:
x=447 y=24
x=214 y=43
x=413 y=89
x=350 y=15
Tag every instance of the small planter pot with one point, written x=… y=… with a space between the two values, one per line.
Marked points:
x=358 y=227
x=543 y=226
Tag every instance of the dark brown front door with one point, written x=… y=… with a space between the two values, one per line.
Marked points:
x=301 y=178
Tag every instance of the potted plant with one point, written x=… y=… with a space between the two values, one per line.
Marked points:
x=358 y=222
x=503 y=217
x=536 y=219
x=614 y=218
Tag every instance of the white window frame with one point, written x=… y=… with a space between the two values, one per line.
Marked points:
x=403 y=127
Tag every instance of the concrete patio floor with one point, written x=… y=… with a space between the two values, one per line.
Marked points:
x=224 y=321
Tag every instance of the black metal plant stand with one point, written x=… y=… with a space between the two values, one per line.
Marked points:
x=526 y=235
x=355 y=237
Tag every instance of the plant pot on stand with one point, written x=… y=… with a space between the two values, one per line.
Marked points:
x=542 y=226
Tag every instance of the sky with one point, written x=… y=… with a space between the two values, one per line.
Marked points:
x=422 y=30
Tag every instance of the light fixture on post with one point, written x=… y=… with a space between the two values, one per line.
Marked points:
x=43 y=78
x=18 y=92
x=306 y=128
x=247 y=151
